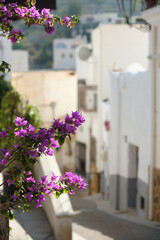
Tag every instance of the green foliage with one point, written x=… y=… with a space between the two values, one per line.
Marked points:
x=4 y=66
x=31 y=114
x=13 y=105
x=4 y=88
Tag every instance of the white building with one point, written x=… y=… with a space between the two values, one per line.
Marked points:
x=113 y=47
x=20 y=61
x=64 y=50
x=130 y=142
x=104 y=18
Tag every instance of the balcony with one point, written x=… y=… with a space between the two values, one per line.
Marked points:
x=152 y=3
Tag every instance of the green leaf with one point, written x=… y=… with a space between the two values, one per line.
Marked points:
x=61 y=140
x=58 y=194
x=65 y=190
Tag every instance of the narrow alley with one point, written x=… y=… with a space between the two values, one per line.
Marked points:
x=94 y=224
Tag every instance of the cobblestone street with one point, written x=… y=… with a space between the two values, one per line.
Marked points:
x=93 y=224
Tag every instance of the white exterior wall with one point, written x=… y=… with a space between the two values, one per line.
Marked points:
x=65 y=50
x=116 y=47
x=113 y=50
x=130 y=124
x=53 y=92
x=20 y=61
x=113 y=47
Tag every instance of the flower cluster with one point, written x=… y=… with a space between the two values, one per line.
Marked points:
x=32 y=144
x=31 y=16
x=30 y=190
x=23 y=146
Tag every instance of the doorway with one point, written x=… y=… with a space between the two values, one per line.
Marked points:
x=133 y=157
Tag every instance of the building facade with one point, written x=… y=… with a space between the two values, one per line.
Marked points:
x=64 y=50
x=109 y=50
x=130 y=142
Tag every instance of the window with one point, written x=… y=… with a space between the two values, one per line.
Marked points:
x=61 y=45
x=95 y=101
x=80 y=157
x=71 y=55
x=109 y=20
x=81 y=94
x=63 y=55
x=142 y=203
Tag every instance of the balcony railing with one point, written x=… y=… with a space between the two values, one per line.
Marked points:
x=152 y=3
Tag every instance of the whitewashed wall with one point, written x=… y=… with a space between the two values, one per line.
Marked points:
x=20 y=61
x=130 y=124
x=65 y=52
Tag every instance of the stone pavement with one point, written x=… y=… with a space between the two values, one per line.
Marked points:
x=91 y=223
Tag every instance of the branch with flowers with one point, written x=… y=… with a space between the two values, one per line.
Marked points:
x=31 y=16
x=23 y=146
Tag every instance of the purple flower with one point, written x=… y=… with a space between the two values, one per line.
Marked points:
x=49 y=152
x=45 y=12
x=21 y=12
x=21 y=132
x=68 y=119
x=38 y=203
x=33 y=154
x=54 y=143
x=13 y=39
x=66 y=21
x=10 y=182
x=32 y=189
x=29 y=195
x=34 y=13
x=4 y=161
x=54 y=177
x=4 y=150
x=41 y=148
x=78 y=116
x=44 y=179
x=49 y=30
x=15 y=146
x=20 y=121
x=14 y=197
x=41 y=197
x=31 y=129
x=4 y=133
x=30 y=179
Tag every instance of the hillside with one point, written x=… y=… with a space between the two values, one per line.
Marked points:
x=39 y=44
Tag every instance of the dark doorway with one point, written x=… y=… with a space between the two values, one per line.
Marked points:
x=80 y=157
x=132 y=175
